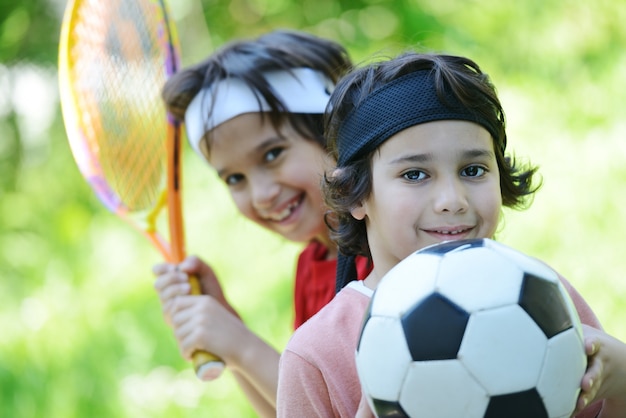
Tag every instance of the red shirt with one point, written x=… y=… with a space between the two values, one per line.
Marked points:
x=316 y=278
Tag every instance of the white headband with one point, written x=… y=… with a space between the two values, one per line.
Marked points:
x=301 y=90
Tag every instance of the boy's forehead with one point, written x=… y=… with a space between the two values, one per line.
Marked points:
x=446 y=138
x=250 y=135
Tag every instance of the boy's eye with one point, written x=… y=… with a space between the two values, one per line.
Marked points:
x=233 y=179
x=272 y=154
x=414 y=175
x=473 y=171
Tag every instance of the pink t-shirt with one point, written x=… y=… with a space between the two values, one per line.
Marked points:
x=317 y=372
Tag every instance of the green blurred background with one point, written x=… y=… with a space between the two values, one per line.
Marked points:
x=81 y=332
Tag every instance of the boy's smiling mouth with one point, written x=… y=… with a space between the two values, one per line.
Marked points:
x=451 y=231
x=286 y=211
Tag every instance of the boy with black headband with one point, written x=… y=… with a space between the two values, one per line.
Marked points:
x=420 y=143
x=254 y=111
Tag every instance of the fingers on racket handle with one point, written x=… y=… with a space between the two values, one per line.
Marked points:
x=208 y=366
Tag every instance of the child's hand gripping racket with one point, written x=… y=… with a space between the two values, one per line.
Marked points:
x=114 y=57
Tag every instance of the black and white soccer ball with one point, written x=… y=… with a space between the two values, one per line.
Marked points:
x=471 y=328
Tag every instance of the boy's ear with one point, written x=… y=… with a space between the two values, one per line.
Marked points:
x=358 y=212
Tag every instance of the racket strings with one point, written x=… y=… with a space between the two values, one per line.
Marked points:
x=118 y=72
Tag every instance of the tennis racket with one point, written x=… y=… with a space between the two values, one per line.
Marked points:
x=114 y=57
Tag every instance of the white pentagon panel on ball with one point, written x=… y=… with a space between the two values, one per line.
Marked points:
x=442 y=389
x=565 y=365
x=405 y=284
x=503 y=349
x=526 y=263
x=382 y=357
x=574 y=314
x=479 y=278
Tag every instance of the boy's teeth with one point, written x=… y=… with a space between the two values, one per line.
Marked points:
x=284 y=214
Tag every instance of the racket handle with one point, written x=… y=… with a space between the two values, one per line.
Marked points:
x=208 y=366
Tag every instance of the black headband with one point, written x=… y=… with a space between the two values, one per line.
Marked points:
x=406 y=101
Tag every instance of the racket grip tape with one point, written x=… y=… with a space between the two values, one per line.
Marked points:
x=208 y=366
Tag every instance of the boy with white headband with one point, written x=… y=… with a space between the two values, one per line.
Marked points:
x=420 y=143
x=254 y=111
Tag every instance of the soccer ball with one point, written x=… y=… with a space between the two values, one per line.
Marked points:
x=471 y=328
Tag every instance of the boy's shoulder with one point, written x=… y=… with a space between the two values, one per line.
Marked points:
x=336 y=323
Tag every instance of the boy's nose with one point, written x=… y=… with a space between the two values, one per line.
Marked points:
x=264 y=192
x=450 y=197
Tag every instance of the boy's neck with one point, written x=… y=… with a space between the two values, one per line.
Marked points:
x=372 y=280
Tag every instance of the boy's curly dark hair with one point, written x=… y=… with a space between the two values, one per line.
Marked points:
x=248 y=59
x=351 y=184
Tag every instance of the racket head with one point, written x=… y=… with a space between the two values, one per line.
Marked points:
x=114 y=58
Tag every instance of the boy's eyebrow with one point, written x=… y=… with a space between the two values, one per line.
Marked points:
x=269 y=142
x=422 y=158
x=413 y=158
x=478 y=152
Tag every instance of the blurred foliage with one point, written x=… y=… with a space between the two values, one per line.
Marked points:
x=81 y=328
